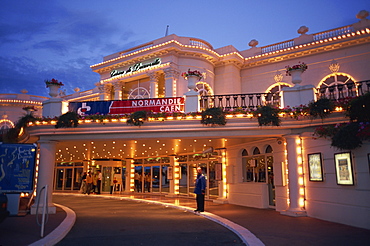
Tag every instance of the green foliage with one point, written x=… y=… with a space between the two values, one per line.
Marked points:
x=267 y=115
x=321 y=108
x=69 y=119
x=359 y=109
x=12 y=135
x=213 y=116
x=137 y=118
x=347 y=137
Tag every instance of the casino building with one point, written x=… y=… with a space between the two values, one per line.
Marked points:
x=280 y=167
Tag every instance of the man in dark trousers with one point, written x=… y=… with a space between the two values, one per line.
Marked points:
x=100 y=177
x=200 y=190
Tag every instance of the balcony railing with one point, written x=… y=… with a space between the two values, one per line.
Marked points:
x=341 y=91
x=243 y=101
x=333 y=33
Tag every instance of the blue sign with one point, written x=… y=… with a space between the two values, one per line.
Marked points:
x=17 y=167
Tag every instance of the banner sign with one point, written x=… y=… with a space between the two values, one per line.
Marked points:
x=156 y=105
x=17 y=167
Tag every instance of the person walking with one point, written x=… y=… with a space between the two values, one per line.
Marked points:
x=100 y=177
x=200 y=190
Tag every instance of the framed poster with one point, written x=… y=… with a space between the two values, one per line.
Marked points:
x=343 y=168
x=315 y=167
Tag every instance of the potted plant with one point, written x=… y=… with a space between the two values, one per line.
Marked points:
x=137 y=118
x=296 y=72
x=321 y=108
x=69 y=119
x=359 y=108
x=347 y=137
x=267 y=115
x=53 y=86
x=213 y=116
x=195 y=73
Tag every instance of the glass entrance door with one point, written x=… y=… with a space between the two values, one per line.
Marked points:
x=183 y=182
x=107 y=180
x=155 y=178
x=63 y=179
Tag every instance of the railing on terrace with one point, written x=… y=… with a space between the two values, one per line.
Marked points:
x=278 y=46
x=341 y=91
x=200 y=43
x=316 y=37
x=243 y=101
x=332 y=33
x=11 y=96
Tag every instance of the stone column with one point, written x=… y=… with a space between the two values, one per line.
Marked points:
x=45 y=174
x=117 y=90
x=293 y=154
x=171 y=78
x=105 y=91
x=154 y=77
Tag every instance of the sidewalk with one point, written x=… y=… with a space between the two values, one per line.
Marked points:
x=254 y=226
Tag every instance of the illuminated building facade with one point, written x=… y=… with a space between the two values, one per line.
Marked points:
x=281 y=167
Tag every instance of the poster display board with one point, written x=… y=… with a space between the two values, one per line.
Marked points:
x=17 y=167
x=315 y=167
x=343 y=168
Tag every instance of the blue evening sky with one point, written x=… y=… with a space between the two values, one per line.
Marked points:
x=46 y=39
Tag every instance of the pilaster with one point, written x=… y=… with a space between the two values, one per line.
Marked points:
x=154 y=77
x=117 y=90
x=171 y=78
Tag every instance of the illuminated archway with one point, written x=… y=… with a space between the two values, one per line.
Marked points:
x=275 y=90
x=337 y=85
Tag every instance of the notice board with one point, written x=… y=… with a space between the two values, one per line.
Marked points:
x=17 y=167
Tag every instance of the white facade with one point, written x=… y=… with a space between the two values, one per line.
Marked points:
x=335 y=56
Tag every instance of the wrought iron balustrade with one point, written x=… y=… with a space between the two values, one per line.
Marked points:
x=341 y=91
x=242 y=101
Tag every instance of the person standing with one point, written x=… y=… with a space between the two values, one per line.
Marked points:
x=200 y=190
x=137 y=181
x=100 y=176
x=83 y=183
x=89 y=182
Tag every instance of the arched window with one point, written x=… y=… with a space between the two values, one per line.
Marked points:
x=275 y=89
x=337 y=85
x=268 y=149
x=139 y=93
x=256 y=151
x=244 y=152
x=203 y=89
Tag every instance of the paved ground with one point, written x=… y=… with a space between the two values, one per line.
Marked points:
x=131 y=223
x=109 y=220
